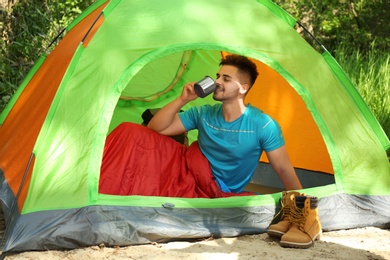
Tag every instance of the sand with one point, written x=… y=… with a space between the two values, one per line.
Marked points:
x=360 y=243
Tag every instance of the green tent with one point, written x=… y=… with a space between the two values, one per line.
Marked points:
x=122 y=57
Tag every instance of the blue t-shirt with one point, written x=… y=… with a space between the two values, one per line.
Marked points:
x=233 y=148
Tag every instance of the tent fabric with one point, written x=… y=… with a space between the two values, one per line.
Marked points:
x=19 y=135
x=273 y=89
x=135 y=225
x=121 y=57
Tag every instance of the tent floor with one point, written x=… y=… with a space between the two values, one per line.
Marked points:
x=262 y=189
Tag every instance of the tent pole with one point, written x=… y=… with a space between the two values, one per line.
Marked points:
x=63 y=30
x=90 y=28
x=306 y=30
x=55 y=39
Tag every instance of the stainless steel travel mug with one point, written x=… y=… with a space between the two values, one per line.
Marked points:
x=205 y=86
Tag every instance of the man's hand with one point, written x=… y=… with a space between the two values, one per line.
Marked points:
x=188 y=94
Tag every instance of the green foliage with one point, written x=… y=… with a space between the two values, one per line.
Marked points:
x=27 y=29
x=333 y=22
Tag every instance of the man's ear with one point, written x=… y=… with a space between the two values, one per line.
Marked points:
x=244 y=88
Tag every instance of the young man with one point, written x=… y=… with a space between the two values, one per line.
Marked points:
x=232 y=134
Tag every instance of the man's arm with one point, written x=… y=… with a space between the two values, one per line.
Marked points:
x=280 y=162
x=167 y=121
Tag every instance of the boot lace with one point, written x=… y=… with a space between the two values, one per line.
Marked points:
x=298 y=217
x=285 y=211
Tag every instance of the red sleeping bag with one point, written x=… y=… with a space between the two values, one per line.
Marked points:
x=139 y=161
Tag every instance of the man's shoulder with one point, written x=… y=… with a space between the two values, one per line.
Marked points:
x=260 y=117
x=256 y=112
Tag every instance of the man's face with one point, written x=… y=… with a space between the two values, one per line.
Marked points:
x=228 y=84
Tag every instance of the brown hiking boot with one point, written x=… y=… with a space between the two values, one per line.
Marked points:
x=305 y=224
x=280 y=228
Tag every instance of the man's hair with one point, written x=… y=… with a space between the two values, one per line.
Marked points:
x=243 y=64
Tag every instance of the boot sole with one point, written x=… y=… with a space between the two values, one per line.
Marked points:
x=275 y=233
x=301 y=245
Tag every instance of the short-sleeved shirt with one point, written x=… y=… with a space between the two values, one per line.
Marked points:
x=233 y=148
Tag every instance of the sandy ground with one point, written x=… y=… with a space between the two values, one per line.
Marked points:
x=361 y=243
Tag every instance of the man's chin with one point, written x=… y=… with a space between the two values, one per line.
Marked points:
x=215 y=97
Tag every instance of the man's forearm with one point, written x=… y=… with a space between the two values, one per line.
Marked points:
x=291 y=182
x=165 y=116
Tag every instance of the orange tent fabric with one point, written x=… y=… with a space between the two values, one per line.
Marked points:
x=304 y=141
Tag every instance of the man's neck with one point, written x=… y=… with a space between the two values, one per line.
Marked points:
x=233 y=110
